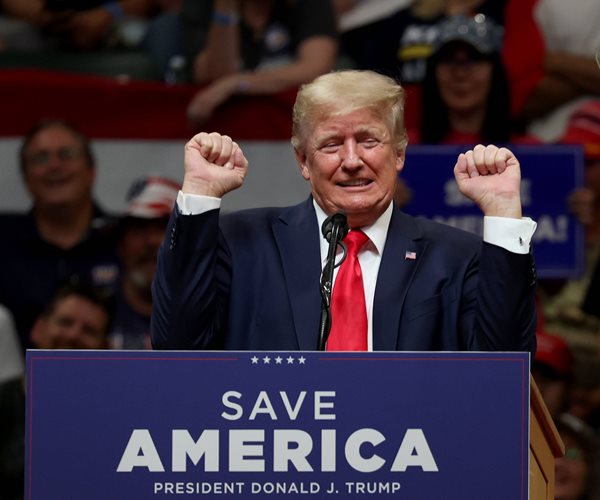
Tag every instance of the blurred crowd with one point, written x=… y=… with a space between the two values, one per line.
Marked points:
x=75 y=275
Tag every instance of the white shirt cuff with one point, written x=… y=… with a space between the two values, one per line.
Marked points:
x=196 y=204
x=513 y=235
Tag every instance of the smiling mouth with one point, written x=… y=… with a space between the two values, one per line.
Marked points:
x=57 y=181
x=355 y=183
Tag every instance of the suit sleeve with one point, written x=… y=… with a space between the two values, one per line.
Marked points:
x=191 y=285
x=500 y=288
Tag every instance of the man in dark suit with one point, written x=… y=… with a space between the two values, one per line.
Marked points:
x=250 y=280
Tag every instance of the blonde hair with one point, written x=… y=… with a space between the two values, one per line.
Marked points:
x=343 y=92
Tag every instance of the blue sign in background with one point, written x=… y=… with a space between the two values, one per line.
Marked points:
x=83 y=406
x=549 y=175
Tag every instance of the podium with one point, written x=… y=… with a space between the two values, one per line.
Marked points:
x=253 y=425
x=545 y=445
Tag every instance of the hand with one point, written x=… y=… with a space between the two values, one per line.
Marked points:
x=490 y=177
x=209 y=98
x=214 y=165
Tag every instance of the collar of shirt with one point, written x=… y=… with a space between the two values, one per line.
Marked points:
x=377 y=232
x=370 y=259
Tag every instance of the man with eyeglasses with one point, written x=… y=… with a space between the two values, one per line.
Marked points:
x=64 y=235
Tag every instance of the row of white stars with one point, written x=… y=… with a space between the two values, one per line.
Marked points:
x=266 y=360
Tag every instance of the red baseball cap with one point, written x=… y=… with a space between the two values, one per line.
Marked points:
x=553 y=351
x=584 y=128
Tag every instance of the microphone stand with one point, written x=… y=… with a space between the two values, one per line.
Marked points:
x=334 y=229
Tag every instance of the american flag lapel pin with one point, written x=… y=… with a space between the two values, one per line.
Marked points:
x=410 y=255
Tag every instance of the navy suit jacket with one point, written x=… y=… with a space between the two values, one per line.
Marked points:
x=250 y=281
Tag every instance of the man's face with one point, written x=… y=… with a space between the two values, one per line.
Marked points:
x=571 y=470
x=57 y=172
x=138 y=250
x=75 y=323
x=554 y=389
x=351 y=165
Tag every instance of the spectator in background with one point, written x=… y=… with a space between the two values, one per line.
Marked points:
x=17 y=34
x=549 y=54
x=262 y=47
x=419 y=30
x=465 y=93
x=573 y=470
x=572 y=307
x=195 y=20
x=141 y=231
x=11 y=356
x=364 y=26
x=75 y=24
x=409 y=37
x=101 y=25
x=150 y=26
x=163 y=39
x=12 y=410
x=78 y=316
x=65 y=234
x=575 y=307
x=552 y=370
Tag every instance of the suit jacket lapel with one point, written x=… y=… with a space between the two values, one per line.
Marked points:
x=395 y=275
x=296 y=233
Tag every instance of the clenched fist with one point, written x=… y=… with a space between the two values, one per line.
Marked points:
x=214 y=165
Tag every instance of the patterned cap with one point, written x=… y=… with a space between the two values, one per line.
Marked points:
x=479 y=31
x=151 y=197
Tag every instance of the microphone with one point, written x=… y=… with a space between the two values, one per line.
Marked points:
x=337 y=220
x=334 y=229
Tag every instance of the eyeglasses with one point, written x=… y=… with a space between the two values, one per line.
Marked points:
x=43 y=157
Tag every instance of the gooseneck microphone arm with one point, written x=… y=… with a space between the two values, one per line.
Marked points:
x=334 y=228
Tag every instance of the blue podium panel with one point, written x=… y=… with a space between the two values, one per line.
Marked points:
x=548 y=176
x=146 y=425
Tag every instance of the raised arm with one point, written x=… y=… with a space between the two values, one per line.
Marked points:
x=191 y=286
x=500 y=285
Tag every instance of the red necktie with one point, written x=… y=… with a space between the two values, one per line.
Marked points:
x=348 y=308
